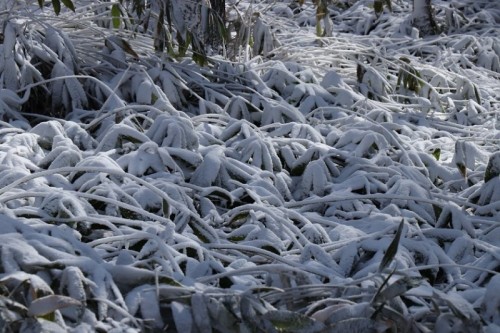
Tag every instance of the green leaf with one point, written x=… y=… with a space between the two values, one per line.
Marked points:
x=461 y=157
x=405 y=59
x=478 y=96
x=360 y=72
x=204 y=233
x=239 y=219
x=236 y=239
x=165 y=207
x=319 y=31
x=353 y=325
x=271 y=249
x=298 y=169
x=57 y=6
x=378 y=6
x=163 y=279
x=436 y=153
x=392 y=249
x=493 y=167
x=462 y=168
x=116 y=15
x=218 y=194
x=388 y=3
x=69 y=4
x=284 y=320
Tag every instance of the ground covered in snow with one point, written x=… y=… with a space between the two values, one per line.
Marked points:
x=302 y=184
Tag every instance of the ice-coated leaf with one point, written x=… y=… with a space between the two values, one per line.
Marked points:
x=150 y=307
x=292 y=321
x=183 y=316
x=118 y=135
x=491 y=301
x=200 y=312
x=264 y=41
x=356 y=325
x=48 y=304
x=116 y=14
x=175 y=132
x=391 y=251
x=270 y=181
x=120 y=43
x=73 y=282
x=41 y=325
x=493 y=167
x=461 y=157
x=144 y=92
x=460 y=307
x=210 y=169
x=397 y=288
x=222 y=316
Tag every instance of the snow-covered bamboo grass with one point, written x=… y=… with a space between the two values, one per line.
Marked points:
x=260 y=192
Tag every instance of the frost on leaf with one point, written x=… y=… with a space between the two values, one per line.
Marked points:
x=264 y=40
x=492 y=168
x=259 y=192
x=148 y=159
x=119 y=135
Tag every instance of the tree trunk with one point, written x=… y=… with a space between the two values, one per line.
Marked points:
x=423 y=17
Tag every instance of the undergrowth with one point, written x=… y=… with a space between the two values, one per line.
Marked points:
x=347 y=182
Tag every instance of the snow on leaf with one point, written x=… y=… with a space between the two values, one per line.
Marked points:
x=409 y=188
x=73 y=282
x=176 y=132
x=357 y=325
x=258 y=152
x=210 y=169
x=183 y=316
x=395 y=289
x=280 y=113
x=264 y=41
x=63 y=154
x=298 y=131
x=270 y=185
x=392 y=249
x=279 y=78
x=200 y=313
x=240 y=108
x=148 y=159
x=118 y=135
x=64 y=206
x=291 y=321
x=47 y=304
x=85 y=180
x=145 y=299
x=492 y=168
x=315 y=178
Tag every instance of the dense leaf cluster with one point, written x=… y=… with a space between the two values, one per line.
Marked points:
x=331 y=184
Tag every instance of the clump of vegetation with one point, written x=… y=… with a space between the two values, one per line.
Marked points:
x=268 y=178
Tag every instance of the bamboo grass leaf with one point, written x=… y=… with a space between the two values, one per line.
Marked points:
x=293 y=321
x=116 y=14
x=392 y=249
x=48 y=304
x=69 y=4
x=56 y=4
